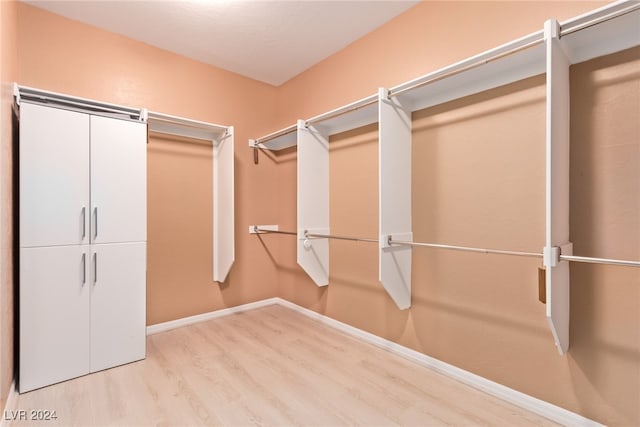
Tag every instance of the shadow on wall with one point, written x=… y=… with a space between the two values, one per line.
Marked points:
x=605 y=222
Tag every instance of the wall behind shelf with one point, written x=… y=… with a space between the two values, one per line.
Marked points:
x=479 y=180
x=604 y=361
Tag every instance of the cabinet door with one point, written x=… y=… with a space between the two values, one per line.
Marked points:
x=54 y=315
x=118 y=304
x=118 y=180
x=54 y=176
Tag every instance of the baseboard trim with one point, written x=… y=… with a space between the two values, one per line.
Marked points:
x=10 y=404
x=185 y=321
x=530 y=403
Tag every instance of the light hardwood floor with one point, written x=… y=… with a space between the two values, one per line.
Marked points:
x=270 y=366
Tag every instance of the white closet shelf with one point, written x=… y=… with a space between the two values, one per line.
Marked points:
x=180 y=126
x=278 y=140
x=511 y=62
x=359 y=113
x=607 y=30
x=75 y=103
x=617 y=29
x=351 y=116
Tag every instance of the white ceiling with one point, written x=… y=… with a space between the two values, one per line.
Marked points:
x=271 y=41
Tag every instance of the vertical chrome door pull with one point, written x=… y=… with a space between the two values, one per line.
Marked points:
x=95 y=222
x=84 y=222
x=95 y=268
x=84 y=268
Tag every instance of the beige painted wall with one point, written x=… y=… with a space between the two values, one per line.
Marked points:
x=62 y=55
x=478 y=180
x=8 y=67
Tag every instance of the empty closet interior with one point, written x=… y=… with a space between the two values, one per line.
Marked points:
x=474 y=199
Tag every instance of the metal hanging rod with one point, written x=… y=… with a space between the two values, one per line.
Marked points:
x=329 y=236
x=308 y=235
x=462 y=68
x=598 y=20
x=570 y=258
x=259 y=230
x=391 y=242
x=591 y=260
x=466 y=249
x=274 y=135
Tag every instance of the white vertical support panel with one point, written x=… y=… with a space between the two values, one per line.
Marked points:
x=557 y=188
x=395 y=197
x=223 y=206
x=313 y=201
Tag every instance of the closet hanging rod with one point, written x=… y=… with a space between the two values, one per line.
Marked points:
x=258 y=230
x=308 y=235
x=598 y=20
x=570 y=258
x=365 y=102
x=465 y=248
x=329 y=236
x=274 y=135
x=591 y=260
x=460 y=68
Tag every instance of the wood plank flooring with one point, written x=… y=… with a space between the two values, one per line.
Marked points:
x=269 y=367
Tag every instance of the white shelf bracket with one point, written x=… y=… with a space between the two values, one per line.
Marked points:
x=395 y=197
x=557 y=188
x=313 y=201
x=223 y=205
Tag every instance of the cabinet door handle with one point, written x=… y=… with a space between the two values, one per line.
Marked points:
x=95 y=222
x=84 y=268
x=95 y=268
x=84 y=222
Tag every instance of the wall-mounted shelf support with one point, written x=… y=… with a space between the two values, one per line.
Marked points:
x=395 y=197
x=313 y=201
x=557 y=188
x=223 y=205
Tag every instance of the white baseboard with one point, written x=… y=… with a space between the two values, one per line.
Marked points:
x=530 y=403
x=10 y=404
x=178 y=323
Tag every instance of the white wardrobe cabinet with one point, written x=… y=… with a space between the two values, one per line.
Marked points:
x=82 y=243
x=54 y=178
x=54 y=314
x=116 y=300
x=118 y=181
